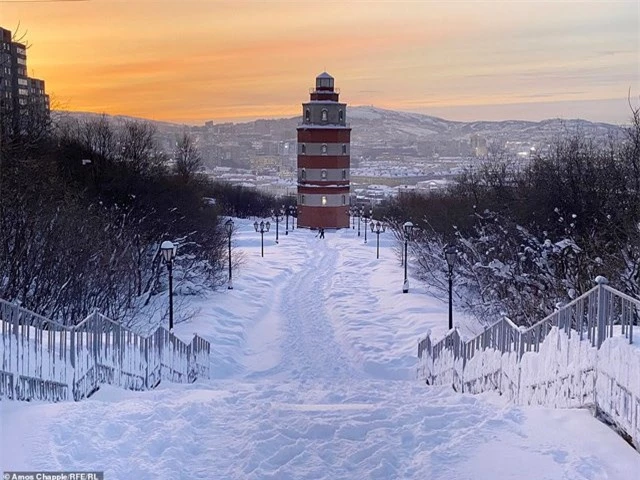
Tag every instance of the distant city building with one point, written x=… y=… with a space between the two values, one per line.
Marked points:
x=478 y=145
x=324 y=159
x=23 y=101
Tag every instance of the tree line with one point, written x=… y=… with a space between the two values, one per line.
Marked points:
x=85 y=205
x=534 y=236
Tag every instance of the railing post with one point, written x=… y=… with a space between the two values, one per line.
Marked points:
x=72 y=357
x=95 y=316
x=461 y=354
x=602 y=309
x=631 y=322
x=521 y=341
x=15 y=314
x=146 y=362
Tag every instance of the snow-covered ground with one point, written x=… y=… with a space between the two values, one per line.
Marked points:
x=313 y=361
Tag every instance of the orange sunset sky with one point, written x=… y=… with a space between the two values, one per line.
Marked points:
x=196 y=60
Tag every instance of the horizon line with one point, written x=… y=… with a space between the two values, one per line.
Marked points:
x=371 y=106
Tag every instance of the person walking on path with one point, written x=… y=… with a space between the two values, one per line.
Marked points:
x=322 y=233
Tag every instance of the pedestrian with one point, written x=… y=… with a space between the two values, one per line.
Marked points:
x=322 y=233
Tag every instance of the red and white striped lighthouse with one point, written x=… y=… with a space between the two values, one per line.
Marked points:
x=323 y=159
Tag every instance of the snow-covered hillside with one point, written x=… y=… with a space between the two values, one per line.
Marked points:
x=389 y=124
x=313 y=361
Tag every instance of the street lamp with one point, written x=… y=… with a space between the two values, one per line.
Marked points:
x=377 y=228
x=408 y=228
x=228 y=225
x=168 y=250
x=277 y=216
x=366 y=217
x=451 y=254
x=293 y=211
x=359 y=212
x=285 y=209
x=261 y=228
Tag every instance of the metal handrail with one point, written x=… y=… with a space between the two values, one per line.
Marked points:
x=42 y=319
x=592 y=314
x=622 y=295
x=72 y=361
x=564 y=307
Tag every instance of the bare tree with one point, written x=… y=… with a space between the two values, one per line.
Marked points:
x=187 y=158
x=137 y=146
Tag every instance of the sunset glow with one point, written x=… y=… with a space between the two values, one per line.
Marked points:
x=197 y=60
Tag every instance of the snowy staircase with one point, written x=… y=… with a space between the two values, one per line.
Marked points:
x=41 y=359
x=582 y=355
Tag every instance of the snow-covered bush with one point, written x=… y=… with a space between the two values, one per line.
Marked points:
x=82 y=218
x=532 y=236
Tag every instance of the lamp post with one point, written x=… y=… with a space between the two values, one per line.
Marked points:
x=377 y=228
x=228 y=225
x=261 y=228
x=293 y=210
x=359 y=212
x=451 y=254
x=168 y=250
x=408 y=228
x=366 y=218
x=285 y=209
x=277 y=216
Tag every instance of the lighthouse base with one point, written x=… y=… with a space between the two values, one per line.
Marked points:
x=322 y=217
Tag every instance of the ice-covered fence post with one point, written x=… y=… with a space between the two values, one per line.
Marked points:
x=602 y=309
x=145 y=346
x=521 y=341
x=95 y=317
x=15 y=318
x=72 y=358
x=631 y=322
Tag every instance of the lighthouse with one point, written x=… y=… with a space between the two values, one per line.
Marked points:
x=323 y=159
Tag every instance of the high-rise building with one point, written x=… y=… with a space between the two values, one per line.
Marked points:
x=23 y=101
x=324 y=159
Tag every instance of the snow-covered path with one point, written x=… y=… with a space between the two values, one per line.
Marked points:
x=310 y=348
x=314 y=356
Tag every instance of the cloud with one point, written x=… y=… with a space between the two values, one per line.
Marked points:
x=222 y=59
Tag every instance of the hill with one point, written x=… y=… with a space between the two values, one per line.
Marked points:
x=377 y=134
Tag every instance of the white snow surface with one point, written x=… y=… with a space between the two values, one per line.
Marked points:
x=313 y=361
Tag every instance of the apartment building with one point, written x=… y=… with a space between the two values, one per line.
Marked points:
x=23 y=100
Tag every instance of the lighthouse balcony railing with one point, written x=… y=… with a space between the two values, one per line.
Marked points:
x=324 y=90
x=324 y=125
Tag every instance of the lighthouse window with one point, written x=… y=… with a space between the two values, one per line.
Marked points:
x=324 y=115
x=344 y=149
x=324 y=149
x=307 y=116
x=303 y=149
x=303 y=174
x=302 y=200
x=344 y=174
x=323 y=174
x=344 y=200
x=324 y=200
x=340 y=116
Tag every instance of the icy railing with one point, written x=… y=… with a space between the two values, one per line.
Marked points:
x=45 y=360
x=326 y=125
x=315 y=90
x=572 y=358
